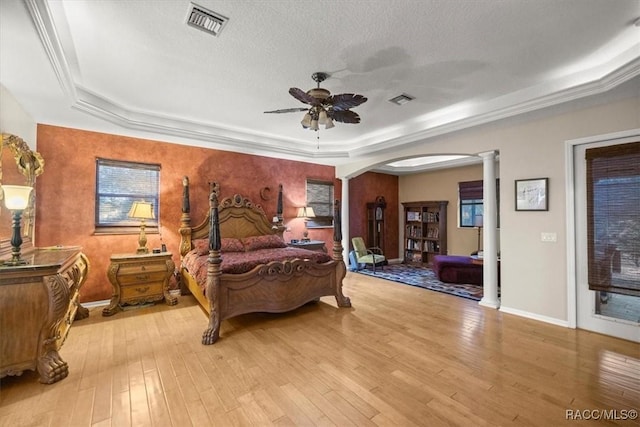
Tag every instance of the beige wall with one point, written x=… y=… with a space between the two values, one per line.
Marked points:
x=14 y=120
x=533 y=273
x=443 y=185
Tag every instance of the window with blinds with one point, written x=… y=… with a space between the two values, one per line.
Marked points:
x=471 y=200
x=471 y=209
x=320 y=198
x=118 y=185
x=613 y=218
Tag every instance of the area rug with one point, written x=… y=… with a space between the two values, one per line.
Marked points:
x=423 y=277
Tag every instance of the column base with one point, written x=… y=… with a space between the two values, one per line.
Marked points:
x=486 y=302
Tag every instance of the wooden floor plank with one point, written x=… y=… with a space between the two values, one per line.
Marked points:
x=401 y=356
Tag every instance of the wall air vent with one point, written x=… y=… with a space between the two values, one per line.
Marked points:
x=402 y=99
x=205 y=20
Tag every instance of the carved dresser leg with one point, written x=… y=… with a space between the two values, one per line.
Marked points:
x=52 y=368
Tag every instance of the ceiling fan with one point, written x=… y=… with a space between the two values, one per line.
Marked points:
x=325 y=108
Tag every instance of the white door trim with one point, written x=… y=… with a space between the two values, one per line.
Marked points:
x=623 y=136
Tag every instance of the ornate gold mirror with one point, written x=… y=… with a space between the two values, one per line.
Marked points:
x=19 y=165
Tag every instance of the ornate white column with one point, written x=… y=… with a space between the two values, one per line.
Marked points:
x=345 y=220
x=490 y=232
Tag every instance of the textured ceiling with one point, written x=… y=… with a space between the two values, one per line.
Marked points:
x=135 y=67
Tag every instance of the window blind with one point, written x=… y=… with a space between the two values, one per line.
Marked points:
x=613 y=218
x=470 y=190
x=320 y=198
x=118 y=185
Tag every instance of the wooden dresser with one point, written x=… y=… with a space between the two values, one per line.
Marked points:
x=38 y=304
x=139 y=279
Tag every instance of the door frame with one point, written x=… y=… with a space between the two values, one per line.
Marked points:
x=572 y=284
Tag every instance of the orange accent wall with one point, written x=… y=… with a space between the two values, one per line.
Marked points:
x=365 y=189
x=65 y=208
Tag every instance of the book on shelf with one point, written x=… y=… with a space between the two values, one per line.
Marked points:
x=413 y=216
x=414 y=231
x=431 y=217
x=433 y=233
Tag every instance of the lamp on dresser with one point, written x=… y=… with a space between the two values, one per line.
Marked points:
x=143 y=211
x=16 y=199
x=305 y=212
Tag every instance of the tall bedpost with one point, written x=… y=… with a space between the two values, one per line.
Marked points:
x=279 y=226
x=280 y=207
x=341 y=269
x=337 y=231
x=214 y=272
x=185 y=219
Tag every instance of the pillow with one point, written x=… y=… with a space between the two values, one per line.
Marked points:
x=201 y=246
x=231 y=244
x=227 y=244
x=267 y=241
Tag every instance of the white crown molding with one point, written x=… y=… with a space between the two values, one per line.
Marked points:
x=104 y=109
x=507 y=106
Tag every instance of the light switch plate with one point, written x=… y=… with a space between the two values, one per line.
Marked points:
x=548 y=237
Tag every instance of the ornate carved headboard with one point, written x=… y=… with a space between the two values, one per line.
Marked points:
x=238 y=217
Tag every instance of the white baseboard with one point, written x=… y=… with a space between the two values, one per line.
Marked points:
x=535 y=316
x=394 y=261
x=94 y=304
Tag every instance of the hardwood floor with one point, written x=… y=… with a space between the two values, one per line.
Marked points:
x=401 y=356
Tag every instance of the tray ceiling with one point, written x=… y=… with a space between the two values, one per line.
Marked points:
x=137 y=68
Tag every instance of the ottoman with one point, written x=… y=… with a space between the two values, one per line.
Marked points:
x=457 y=269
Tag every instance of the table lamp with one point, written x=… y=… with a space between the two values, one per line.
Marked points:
x=305 y=212
x=16 y=199
x=142 y=211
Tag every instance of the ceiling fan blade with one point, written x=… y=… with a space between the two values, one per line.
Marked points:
x=288 y=110
x=344 y=101
x=303 y=96
x=344 y=116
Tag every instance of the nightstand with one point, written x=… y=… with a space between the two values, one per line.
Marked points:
x=139 y=279
x=312 y=245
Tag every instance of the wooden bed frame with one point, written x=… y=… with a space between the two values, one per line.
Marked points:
x=275 y=287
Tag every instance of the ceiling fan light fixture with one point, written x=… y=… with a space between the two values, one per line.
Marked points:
x=306 y=121
x=329 y=124
x=323 y=109
x=322 y=117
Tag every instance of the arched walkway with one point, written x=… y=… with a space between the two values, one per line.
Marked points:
x=490 y=232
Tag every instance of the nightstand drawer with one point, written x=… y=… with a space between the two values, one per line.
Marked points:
x=148 y=289
x=141 y=277
x=137 y=268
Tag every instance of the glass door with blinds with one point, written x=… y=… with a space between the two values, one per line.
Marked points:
x=607 y=219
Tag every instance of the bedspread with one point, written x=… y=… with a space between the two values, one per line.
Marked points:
x=242 y=262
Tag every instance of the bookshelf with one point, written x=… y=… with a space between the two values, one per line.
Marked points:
x=425 y=231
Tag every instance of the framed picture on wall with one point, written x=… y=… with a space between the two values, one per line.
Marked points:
x=532 y=194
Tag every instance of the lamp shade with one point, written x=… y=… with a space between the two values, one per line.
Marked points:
x=478 y=221
x=16 y=197
x=306 y=212
x=141 y=210
x=306 y=120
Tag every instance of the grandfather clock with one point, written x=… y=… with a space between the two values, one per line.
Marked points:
x=375 y=223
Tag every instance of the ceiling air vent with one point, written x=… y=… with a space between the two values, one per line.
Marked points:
x=205 y=20
x=402 y=99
